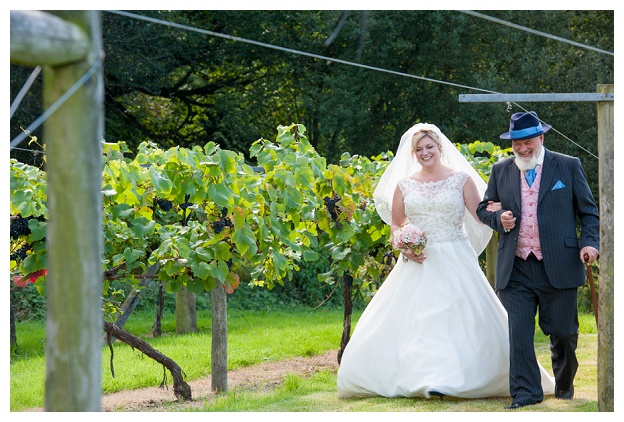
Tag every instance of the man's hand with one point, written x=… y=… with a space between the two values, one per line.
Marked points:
x=589 y=254
x=508 y=221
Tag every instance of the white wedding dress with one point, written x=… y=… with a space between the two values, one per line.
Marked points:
x=437 y=325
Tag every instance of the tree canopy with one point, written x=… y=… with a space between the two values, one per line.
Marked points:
x=180 y=78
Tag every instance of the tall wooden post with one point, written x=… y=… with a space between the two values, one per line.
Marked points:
x=186 y=311
x=73 y=136
x=605 y=286
x=219 y=339
x=67 y=44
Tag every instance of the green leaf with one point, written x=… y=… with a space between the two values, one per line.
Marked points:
x=339 y=253
x=195 y=285
x=255 y=148
x=122 y=211
x=161 y=183
x=220 y=270
x=132 y=255
x=345 y=233
x=245 y=241
x=174 y=285
x=279 y=260
x=304 y=176
x=37 y=230
x=357 y=259
x=142 y=226
x=228 y=162
x=204 y=254
x=310 y=255
x=292 y=199
x=200 y=269
x=222 y=251
x=220 y=194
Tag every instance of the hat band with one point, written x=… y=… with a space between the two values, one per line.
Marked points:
x=513 y=134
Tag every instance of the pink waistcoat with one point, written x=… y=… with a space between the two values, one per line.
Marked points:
x=528 y=236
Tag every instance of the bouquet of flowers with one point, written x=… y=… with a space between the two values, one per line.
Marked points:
x=408 y=238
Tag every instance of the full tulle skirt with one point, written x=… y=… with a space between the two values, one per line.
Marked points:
x=432 y=326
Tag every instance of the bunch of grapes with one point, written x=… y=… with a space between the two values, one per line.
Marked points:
x=19 y=225
x=21 y=253
x=388 y=258
x=330 y=204
x=163 y=204
x=223 y=222
x=184 y=206
x=186 y=202
x=348 y=279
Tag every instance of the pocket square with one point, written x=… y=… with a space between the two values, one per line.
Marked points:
x=558 y=185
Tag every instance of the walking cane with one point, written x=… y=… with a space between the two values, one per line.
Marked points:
x=590 y=276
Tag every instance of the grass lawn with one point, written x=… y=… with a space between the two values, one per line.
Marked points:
x=259 y=336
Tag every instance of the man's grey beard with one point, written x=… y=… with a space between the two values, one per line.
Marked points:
x=526 y=165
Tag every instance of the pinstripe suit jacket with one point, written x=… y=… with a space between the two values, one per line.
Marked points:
x=557 y=211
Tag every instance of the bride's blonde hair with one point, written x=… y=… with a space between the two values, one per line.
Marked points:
x=421 y=134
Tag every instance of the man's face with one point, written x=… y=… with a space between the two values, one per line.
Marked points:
x=527 y=151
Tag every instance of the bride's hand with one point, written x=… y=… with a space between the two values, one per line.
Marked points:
x=420 y=258
x=494 y=206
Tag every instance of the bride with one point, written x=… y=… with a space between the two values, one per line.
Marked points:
x=435 y=326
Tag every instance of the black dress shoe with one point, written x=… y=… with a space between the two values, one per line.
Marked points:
x=565 y=394
x=436 y=394
x=515 y=406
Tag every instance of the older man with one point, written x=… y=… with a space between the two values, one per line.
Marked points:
x=543 y=194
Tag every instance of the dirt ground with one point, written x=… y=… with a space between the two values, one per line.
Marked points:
x=258 y=377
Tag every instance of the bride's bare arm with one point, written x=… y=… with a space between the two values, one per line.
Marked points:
x=398 y=210
x=471 y=198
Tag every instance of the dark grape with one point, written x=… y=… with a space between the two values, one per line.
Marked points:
x=21 y=254
x=19 y=227
x=164 y=204
x=387 y=258
x=186 y=202
x=218 y=226
x=330 y=204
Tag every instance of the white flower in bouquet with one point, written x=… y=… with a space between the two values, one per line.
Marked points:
x=408 y=238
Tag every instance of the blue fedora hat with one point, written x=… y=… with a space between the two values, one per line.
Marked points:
x=525 y=125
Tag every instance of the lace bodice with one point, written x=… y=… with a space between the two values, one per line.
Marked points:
x=436 y=208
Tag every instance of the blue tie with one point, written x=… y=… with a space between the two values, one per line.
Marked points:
x=530 y=176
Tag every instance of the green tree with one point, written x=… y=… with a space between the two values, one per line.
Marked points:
x=174 y=86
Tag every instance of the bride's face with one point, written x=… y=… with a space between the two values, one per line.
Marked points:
x=427 y=151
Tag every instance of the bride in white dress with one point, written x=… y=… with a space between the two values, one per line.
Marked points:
x=435 y=326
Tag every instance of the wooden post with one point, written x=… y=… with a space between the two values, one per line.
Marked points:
x=67 y=44
x=605 y=284
x=219 y=338
x=73 y=136
x=186 y=311
x=491 y=252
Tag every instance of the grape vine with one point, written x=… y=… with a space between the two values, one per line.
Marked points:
x=207 y=216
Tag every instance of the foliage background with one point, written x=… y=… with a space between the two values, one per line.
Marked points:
x=176 y=86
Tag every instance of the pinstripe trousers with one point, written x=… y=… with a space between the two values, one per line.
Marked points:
x=529 y=290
